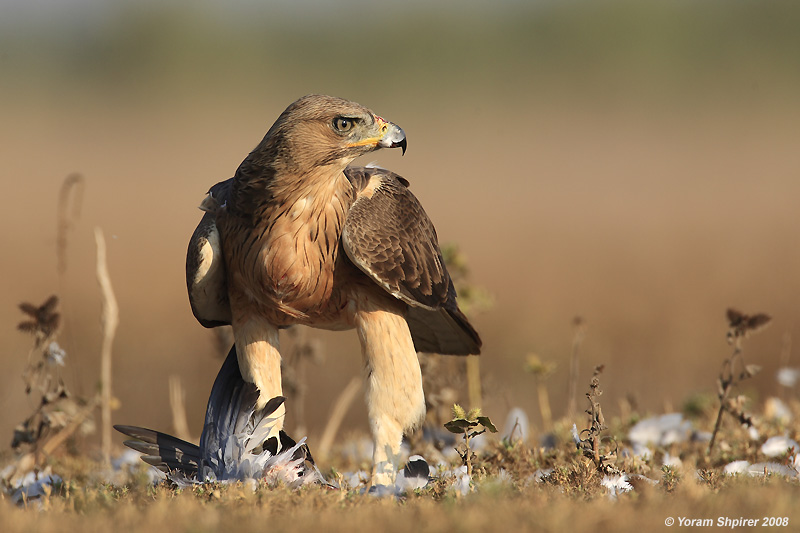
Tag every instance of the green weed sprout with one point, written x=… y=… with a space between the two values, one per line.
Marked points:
x=470 y=425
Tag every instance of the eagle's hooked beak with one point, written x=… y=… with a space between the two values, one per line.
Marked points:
x=389 y=135
x=393 y=135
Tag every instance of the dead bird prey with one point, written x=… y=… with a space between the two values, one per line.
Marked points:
x=235 y=443
x=299 y=237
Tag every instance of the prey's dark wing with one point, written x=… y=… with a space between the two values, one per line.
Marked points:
x=231 y=411
x=389 y=237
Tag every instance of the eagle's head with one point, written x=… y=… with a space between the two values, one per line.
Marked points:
x=319 y=130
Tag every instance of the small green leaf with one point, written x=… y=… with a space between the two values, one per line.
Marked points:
x=459 y=425
x=487 y=423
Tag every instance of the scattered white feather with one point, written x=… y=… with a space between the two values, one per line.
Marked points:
x=701 y=436
x=517 y=426
x=759 y=469
x=779 y=445
x=353 y=480
x=123 y=465
x=503 y=477
x=576 y=438
x=33 y=485
x=616 y=485
x=538 y=476
x=250 y=485
x=382 y=491
x=788 y=377
x=773 y=468
x=736 y=467
x=415 y=475
x=461 y=480
x=55 y=354
x=661 y=430
x=671 y=460
x=776 y=410
x=642 y=452
x=128 y=459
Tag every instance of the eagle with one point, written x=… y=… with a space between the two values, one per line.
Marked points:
x=299 y=236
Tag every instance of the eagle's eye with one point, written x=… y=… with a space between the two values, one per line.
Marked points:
x=342 y=124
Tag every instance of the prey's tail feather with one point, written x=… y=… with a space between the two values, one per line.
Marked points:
x=165 y=452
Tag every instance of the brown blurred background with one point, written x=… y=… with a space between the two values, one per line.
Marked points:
x=634 y=163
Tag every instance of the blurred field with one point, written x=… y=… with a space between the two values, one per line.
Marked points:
x=636 y=166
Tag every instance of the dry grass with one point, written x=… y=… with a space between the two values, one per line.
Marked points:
x=536 y=511
x=504 y=496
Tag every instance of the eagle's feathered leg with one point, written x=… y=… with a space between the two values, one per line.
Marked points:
x=257 y=350
x=395 y=400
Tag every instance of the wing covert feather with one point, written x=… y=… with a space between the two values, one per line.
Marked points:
x=388 y=235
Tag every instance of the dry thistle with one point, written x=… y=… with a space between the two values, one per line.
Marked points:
x=740 y=326
x=56 y=414
x=590 y=446
x=44 y=320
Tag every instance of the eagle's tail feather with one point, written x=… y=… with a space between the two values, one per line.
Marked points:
x=444 y=331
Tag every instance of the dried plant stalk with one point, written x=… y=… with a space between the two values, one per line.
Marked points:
x=66 y=216
x=740 y=326
x=590 y=446
x=294 y=366
x=579 y=326
x=177 y=404
x=541 y=370
x=58 y=439
x=474 y=381
x=340 y=408
x=544 y=407
x=110 y=319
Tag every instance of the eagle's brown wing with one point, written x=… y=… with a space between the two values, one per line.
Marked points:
x=205 y=265
x=388 y=236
